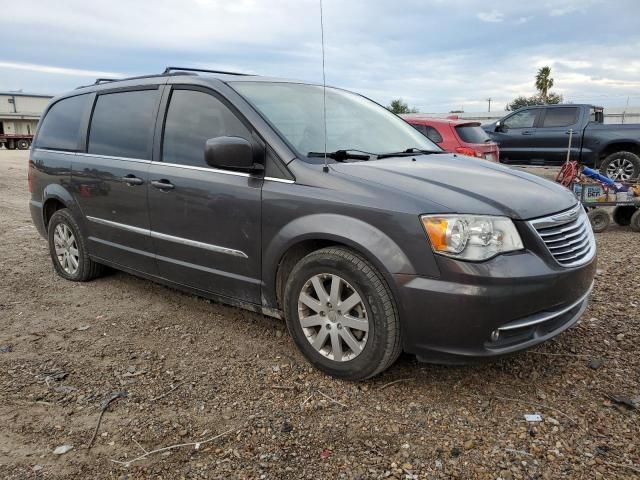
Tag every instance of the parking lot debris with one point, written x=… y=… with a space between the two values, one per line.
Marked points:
x=62 y=449
x=596 y=363
x=630 y=403
x=533 y=417
x=105 y=404
x=196 y=445
x=6 y=348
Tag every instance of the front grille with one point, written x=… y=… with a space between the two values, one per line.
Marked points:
x=568 y=236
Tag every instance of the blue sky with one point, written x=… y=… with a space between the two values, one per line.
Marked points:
x=437 y=55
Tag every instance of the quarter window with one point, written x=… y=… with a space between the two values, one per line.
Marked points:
x=560 y=117
x=524 y=119
x=122 y=124
x=60 y=129
x=194 y=117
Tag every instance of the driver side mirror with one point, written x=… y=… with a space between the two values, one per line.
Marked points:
x=500 y=127
x=232 y=153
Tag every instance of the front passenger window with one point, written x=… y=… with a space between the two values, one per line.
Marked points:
x=524 y=119
x=194 y=117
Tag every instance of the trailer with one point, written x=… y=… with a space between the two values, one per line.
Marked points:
x=13 y=142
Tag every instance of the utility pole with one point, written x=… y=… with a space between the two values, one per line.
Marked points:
x=489 y=100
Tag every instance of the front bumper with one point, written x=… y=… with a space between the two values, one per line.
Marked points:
x=481 y=310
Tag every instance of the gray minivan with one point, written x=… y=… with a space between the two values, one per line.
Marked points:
x=369 y=240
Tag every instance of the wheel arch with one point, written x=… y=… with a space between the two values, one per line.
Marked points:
x=314 y=232
x=55 y=197
x=620 y=146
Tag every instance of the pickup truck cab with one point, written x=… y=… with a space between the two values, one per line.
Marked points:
x=540 y=135
x=365 y=237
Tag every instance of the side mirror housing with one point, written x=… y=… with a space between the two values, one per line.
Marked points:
x=233 y=153
x=499 y=126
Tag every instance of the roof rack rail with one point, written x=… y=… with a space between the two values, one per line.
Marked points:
x=105 y=80
x=190 y=69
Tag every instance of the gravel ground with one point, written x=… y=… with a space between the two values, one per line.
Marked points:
x=195 y=370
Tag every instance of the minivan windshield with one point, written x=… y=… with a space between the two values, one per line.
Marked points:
x=354 y=123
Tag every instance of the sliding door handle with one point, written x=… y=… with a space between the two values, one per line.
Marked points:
x=163 y=184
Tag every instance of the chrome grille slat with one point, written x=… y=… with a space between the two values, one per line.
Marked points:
x=568 y=236
x=575 y=245
x=564 y=238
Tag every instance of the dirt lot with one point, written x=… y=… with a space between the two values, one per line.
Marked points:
x=194 y=370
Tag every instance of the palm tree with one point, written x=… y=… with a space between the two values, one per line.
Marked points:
x=544 y=82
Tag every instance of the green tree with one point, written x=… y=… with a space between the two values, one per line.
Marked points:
x=397 y=106
x=519 y=102
x=544 y=82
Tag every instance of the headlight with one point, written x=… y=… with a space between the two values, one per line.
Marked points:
x=471 y=237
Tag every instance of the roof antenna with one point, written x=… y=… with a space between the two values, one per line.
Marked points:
x=324 y=95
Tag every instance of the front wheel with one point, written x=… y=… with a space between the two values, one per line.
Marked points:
x=68 y=249
x=22 y=144
x=341 y=314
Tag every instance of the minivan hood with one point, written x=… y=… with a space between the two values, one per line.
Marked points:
x=460 y=184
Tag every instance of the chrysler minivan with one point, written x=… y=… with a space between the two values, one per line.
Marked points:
x=355 y=228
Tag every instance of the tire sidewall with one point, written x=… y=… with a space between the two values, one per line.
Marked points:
x=605 y=217
x=635 y=221
x=632 y=157
x=64 y=217
x=366 y=362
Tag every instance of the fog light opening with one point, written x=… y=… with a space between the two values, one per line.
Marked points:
x=495 y=335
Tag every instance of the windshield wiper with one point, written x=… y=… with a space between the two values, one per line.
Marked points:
x=342 y=155
x=408 y=152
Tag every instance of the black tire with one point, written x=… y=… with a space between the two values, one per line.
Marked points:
x=383 y=344
x=599 y=219
x=22 y=144
x=635 y=221
x=622 y=214
x=10 y=146
x=86 y=269
x=608 y=165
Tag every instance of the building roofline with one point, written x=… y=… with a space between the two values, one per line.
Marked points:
x=23 y=94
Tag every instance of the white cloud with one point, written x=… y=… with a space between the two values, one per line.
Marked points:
x=58 y=70
x=494 y=16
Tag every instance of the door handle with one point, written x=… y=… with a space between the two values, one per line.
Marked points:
x=527 y=132
x=162 y=184
x=131 y=180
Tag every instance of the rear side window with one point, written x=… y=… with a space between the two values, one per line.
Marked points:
x=560 y=117
x=60 y=129
x=192 y=118
x=472 y=134
x=122 y=124
x=430 y=132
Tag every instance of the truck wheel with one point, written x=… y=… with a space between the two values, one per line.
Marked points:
x=341 y=314
x=10 y=145
x=622 y=214
x=635 y=221
x=599 y=220
x=621 y=166
x=22 y=144
x=68 y=249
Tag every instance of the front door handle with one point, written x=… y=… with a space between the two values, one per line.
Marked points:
x=163 y=184
x=131 y=180
x=527 y=132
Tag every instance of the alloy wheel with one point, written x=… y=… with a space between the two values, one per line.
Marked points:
x=66 y=249
x=333 y=317
x=620 y=169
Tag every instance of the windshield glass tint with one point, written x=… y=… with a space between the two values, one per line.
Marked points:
x=353 y=122
x=472 y=134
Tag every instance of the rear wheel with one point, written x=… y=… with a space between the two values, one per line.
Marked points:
x=621 y=166
x=22 y=144
x=68 y=250
x=599 y=220
x=622 y=214
x=635 y=221
x=341 y=314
